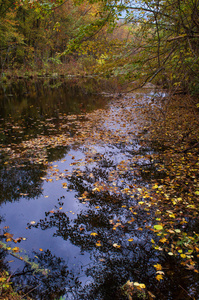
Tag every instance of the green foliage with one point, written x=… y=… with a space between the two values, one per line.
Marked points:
x=4 y=282
x=18 y=253
x=157 y=41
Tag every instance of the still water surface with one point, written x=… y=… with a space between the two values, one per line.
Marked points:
x=71 y=207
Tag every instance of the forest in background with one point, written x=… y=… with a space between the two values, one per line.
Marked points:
x=133 y=41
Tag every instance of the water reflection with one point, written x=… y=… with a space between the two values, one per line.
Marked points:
x=114 y=230
x=52 y=286
x=80 y=209
x=18 y=180
x=31 y=108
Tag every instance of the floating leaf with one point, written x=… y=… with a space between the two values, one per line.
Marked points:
x=155 y=186
x=136 y=284
x=94 y=233
x=116 y=245
x=160 y=272
x=8 y=235
x=15 y=249
x=8 y=240
x=159 y=277
x=163 y=240
x=142 y=286
x=158 y=267
x=158 y=227
x=64 y=185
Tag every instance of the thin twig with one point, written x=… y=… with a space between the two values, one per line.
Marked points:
x=186 y=292
x=30 y=291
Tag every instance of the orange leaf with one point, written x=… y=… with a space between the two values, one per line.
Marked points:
x=159 y=277
x=158 y=267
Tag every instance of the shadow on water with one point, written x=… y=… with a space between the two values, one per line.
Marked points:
x=83 y=221
x=29 y=108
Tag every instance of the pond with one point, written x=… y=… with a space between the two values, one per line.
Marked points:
x=76 y=170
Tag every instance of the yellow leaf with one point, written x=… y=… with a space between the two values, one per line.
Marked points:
x=98 y=244
x=158 y=267
x=136 y=284
x=159 y=277
x=163 y=240
x=130 y=240
x=8 y=240
x=15 y=249
x=155 y=186
x=172 y=216
x=142 y=286
x=64 y=185
x=94 y=233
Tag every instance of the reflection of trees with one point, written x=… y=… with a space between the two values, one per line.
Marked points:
x=57 y=153
x=50 y=99
x=114 y=225
x=55 y=280
x=111 y=265
x=23 y=179
x=37 y=107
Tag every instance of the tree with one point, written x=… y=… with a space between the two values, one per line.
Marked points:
x=164 y=41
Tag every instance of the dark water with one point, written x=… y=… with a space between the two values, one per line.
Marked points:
x=78 y=237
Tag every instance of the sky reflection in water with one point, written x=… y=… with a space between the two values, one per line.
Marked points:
x=91 y=238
